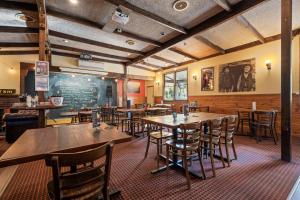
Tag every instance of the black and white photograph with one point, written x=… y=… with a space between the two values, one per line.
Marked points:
x=207 y=79
x=237 y=76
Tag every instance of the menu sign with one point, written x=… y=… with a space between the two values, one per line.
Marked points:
x=7 y=91
x=42 y=76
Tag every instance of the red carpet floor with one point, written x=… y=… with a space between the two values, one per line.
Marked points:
x=257 y=174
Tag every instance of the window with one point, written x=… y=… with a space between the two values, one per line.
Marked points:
x=175 y=86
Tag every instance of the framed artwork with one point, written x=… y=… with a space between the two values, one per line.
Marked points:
x=41 y=83
x=42 y=68
x=237 y=76
x=134 y=87
x=207 y=79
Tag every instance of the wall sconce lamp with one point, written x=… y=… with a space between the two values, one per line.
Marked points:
x=194 y=77
x=157 y=83
x=268 y=64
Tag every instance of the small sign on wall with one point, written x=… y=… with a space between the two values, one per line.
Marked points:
x=42 y=76
x=7 y=91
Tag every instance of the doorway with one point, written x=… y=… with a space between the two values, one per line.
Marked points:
x=150 y=95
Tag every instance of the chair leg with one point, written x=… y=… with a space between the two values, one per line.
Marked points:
x=242 y=127
x=167 y=156
x=272 y=134
x=157 y=152
x=234 y=151
x=201 y=164
x=147 y=148
x=221 y=155
x=106 y=194
x=227 y=153
x=212 y=160
x=186 y=169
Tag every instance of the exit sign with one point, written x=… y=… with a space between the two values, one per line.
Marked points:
x=7 y=91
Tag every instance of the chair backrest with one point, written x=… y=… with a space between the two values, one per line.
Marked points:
x=191 y=133
x=215 y=130
x=265 y=117
x=230 y=126
x=80 y=166
x=243 y=114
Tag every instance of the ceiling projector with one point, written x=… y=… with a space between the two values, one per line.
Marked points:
x=120 y=17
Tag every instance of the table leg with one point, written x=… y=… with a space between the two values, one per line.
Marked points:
x=42 y=119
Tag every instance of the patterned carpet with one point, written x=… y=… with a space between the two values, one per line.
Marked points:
x=257 y=174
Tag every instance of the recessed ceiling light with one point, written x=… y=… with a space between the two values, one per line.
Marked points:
x=130 y=42
x=116 y=80
x=74 y=1
x=162 y=33
x=66 y=41
x=25 y=18
x=73 y=75
x=180 y=5
x=89 y=79
x=185 y=58
x=103 y=78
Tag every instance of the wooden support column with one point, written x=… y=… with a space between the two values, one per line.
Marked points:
x=125 y=83
x=42 y=36
x=286 y=80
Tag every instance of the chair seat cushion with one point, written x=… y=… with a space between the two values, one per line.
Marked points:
x=160 y=135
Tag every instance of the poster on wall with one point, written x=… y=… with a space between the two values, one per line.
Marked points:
x=207 y=79
x=237 y=76
x=42 y=83
x=134 y=87
x=41 y=76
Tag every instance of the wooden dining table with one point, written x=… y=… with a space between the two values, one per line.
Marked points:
x=168 y=122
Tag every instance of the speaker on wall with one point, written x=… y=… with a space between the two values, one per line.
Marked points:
x=109 y=91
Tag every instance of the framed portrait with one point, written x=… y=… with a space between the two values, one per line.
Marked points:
x=134 y=87
x=207 y=79
x=42 y=68
x=237 y=76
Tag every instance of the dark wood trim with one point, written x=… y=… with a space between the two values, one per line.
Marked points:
x=78 y=57
x=138 y=37
x=61 y=47
x=223 y=4
x=23 y=52
x=217 y=19
x=181 y=52
x=12 y=29
x=235 y=49
x=18 y=5
x=143 y=68
x=149 y=15
x=210 y=44
x=18 y=44
x=164 y=60
x=286 y=80
x=248 y=25
x=92 y=42
x=149 y=64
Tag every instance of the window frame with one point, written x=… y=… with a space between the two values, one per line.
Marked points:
x=187 y=87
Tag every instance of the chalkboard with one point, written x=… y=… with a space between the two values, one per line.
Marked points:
x=80 y=91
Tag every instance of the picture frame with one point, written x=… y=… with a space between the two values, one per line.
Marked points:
x=207 y=79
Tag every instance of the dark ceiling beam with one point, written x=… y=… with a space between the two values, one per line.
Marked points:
x=139 y=38
x=17 y=44
x=248 y=25
x=211 y=22
x=92 y=42
x=78 y=57
x=148 y=14
x=179 y=51
x=61 y=47
x=210 y=44
x=143 y=68
x=25 y=52
x=223 y=4
x=12 y=29
x=273 y=38
x=150 y=65
x=164 y=60
x=12 y=5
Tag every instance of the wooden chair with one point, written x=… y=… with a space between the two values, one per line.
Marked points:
x=243 y=117
x=210 y=142
x=264 y=120
x=82 y=179
x=186 y=146
x=156 y=137
x=227 y=136
x=105 y=114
